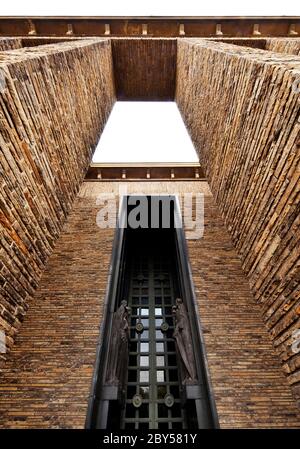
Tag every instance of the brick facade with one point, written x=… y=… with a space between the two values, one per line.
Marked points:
x=50 y=122
x=47 y=379
x=241 y=107
x=248 y=143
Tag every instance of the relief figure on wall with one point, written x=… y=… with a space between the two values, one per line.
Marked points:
x=182 y=335
x=118 y=348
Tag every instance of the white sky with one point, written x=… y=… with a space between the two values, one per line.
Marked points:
x=150 y=7
x=145 y=132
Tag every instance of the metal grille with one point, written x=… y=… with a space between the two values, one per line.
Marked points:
x=152 y=369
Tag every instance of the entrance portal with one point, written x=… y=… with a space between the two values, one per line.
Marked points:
x=151 y=371
x=153 y=390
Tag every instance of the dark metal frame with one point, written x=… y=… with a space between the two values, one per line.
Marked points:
x=165 y=26
x=99 y=399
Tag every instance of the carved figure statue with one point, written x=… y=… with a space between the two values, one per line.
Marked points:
x=118 y=349
x=182 y=335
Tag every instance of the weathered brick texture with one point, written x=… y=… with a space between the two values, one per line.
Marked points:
x=278 y=45
x=290 y=46
x=47 y=379
x=54 y=102
x=10 y=43
x=144 y=69
x=241 y=106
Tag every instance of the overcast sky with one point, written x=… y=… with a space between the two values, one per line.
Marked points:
x=150 y=7
x=145 y=132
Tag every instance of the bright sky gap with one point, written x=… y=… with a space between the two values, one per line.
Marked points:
x=149 y=131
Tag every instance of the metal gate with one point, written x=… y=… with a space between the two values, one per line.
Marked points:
x=152 y=396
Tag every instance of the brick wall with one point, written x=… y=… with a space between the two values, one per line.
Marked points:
x=54 y=102
x=10 y=43
x=290 y=46
x=47 y=379
x=241 y=107
x=278 y=45
x=144 y=69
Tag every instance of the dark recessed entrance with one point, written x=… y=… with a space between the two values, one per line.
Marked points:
x=150 y=372
x=153 y=378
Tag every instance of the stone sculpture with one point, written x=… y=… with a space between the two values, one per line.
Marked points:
x=182 y=335
x=118 y=349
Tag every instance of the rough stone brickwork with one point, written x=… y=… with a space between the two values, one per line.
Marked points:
x=35 y=41
x=54 y=102
x=144 y=69
x=10 y=43
x=258 y=42
x=47 y=379
x=278 y=45
x=241 y=107
x=291 y=46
